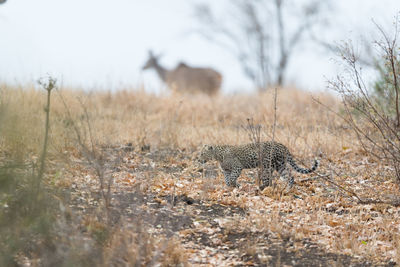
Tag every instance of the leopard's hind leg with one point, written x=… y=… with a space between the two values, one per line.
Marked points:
x=286 y=174
x=266 y=177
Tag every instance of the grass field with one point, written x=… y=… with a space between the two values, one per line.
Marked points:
x=146 y=147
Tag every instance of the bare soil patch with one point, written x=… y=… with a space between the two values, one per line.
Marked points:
x=209 y=229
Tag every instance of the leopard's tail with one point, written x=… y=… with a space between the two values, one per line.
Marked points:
x=302 y=170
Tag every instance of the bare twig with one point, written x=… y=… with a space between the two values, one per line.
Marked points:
x=313 y=178
x=273 y=134
x=254 y=132
x=95 y=159
x=363 y=201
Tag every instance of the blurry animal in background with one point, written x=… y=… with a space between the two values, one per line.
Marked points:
x=185 y=78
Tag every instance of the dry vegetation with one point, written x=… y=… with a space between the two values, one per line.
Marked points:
x=147 y=145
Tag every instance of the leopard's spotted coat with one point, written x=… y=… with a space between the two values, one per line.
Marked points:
x=233 y=159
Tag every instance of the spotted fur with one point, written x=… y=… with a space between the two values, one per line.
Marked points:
x=233 y=159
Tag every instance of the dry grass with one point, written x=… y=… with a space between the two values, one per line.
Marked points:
x=133 y=245
x=189 y=121
x=181 y=121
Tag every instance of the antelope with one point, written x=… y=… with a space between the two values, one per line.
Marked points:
x=185 y=78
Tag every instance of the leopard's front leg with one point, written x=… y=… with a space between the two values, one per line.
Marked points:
x=232 y=171
x=228 y=179
x=231 y=177
x=266 y=177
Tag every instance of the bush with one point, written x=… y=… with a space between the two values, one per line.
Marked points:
x=34 y=224
x=373 y=113
x=27 y=210
x=384 y=87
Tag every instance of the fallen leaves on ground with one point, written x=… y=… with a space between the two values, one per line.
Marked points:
x=315 y=213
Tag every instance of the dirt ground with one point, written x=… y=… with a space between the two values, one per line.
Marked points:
x=208 y=229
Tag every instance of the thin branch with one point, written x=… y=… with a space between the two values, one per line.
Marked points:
x=273 y=130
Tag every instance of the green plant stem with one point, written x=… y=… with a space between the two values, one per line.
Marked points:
x=46 y=137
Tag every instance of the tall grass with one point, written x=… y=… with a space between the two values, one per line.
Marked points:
x=36 y=225
x=188 y=121
x=27 y=211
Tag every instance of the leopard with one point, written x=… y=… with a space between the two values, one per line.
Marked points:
x=234 y=158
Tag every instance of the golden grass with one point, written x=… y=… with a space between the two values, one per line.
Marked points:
x=176 y=121
x=189 y=121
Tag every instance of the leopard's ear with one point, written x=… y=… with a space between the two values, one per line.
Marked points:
x=208 y=147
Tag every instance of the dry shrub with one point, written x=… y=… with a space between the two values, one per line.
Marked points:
x=375 y=124
x=132 y=245
x=249 y=249
x=36 y=228
x=174 y=254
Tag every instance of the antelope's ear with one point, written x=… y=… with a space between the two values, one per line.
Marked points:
x=150 y=53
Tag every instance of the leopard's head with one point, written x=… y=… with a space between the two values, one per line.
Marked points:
x=207 y=153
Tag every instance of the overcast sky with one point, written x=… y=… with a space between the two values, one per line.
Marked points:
x=103 y=44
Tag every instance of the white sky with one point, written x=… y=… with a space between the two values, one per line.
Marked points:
x=103 y=44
